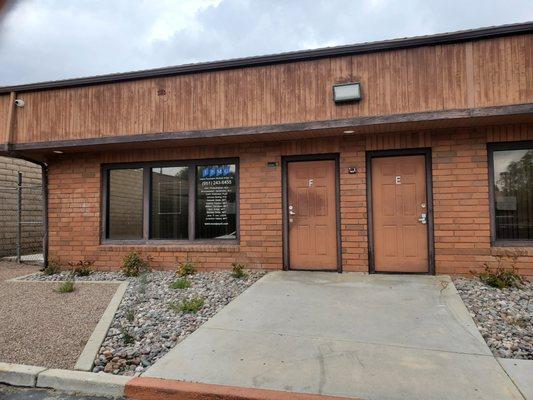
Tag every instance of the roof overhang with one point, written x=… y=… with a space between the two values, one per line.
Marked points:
x=520 y=113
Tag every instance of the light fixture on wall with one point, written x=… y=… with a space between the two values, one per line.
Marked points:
x=57 y=152
x=345 y=92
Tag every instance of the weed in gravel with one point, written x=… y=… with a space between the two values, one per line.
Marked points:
x=187 y=306
x=52 y=268
x=134 y=265
x=181 y=283
x=127 y=337
x=66 y=286
x=237 y=271
x=501 y=277
x=191 y=306
x=82 y=267
x=186 y=268
x=502 y=272
x=130 y=315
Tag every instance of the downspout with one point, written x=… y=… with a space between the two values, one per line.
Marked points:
x=10 y=133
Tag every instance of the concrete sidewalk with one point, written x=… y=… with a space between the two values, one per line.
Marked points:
x=354 y=335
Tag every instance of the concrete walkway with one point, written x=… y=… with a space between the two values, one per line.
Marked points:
x=354 y=335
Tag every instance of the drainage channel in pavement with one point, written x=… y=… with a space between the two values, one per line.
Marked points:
x=17 y=393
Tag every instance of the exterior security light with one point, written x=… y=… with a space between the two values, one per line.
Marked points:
x=347 y=92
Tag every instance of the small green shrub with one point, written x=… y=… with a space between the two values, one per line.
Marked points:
x=52 y=268
x=82 y=268
x=186 y=268
x=188 y=306
x=66 y=286
x=501 y=273
x=238 y=271
x=130 y=315
x=181 y=283
x=127 y=337
x=134 y=265
x=500 y=277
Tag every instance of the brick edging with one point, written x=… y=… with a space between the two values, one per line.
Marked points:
x=142 y=388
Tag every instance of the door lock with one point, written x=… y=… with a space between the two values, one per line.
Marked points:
x=291 y=212
x=423 y=218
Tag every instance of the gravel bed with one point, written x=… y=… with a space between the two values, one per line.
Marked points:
x=503 y=316
x=149 y=316
x=39 y=326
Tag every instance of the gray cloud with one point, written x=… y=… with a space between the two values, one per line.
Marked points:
x=57 y=39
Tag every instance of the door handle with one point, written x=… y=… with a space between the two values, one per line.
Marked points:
x=423 y=218
x=292 y=212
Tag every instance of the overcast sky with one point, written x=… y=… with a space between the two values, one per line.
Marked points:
x=55 y=39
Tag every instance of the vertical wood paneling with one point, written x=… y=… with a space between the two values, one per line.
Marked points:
x=476 y=74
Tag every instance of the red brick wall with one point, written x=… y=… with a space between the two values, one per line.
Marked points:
x=460 y=190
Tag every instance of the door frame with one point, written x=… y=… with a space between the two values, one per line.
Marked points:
x=426 y=152
x=285 y=160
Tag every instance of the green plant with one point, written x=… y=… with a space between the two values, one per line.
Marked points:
x=186 y=268
x=82 y=268
x=238 y=271
x=502 y=273
x=181 y=283
x=127 y=337
x=188 y=306
x=52 y=268
x=134 y=265
x=500 y=277
x=66 y=286
x=130 y=315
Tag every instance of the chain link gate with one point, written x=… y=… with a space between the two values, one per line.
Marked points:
x=22 y=220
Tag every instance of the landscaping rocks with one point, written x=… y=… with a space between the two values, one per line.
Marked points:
x=503 y=316
x=148 y=322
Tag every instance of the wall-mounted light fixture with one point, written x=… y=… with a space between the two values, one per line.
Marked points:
x=345 y=92
x=19 y=102
x=57 y=151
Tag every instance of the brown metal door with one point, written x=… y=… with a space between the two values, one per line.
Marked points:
x=399 y=210
x=312 y=215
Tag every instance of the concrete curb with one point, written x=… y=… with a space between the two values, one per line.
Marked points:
x=19 y=375
x=163 y=389
x=100 y=384
x=86 y=359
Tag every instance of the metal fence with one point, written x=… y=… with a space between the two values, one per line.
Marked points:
x=22 y=220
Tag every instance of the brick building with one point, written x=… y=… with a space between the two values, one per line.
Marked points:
x=410 y=155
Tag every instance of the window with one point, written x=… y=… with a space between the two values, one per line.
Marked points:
x=511 y=181
x=170 y=203
x=125 y=207
x=216 y=193
x=190 y=200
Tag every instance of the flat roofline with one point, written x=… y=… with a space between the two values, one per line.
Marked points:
x=294 y=56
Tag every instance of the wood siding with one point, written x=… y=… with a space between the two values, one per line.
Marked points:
x=482 y=73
